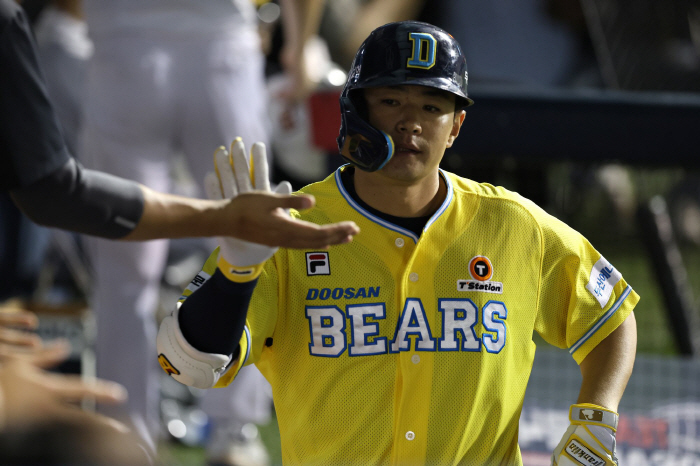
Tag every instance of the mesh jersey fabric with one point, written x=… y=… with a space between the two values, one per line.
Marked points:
x=382 y=354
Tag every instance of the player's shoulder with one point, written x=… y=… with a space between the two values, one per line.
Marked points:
x=486 y=192
x=325 y=192
x=324 y=188
x=497 y=198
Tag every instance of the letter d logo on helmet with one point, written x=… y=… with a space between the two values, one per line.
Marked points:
x=408 y=52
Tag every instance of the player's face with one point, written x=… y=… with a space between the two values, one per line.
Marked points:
x=422 y=122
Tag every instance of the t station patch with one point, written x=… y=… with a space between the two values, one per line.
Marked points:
x=317 y=263
x=481 y=271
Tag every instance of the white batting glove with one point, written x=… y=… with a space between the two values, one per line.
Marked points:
x=239 y=260
x=590 y=439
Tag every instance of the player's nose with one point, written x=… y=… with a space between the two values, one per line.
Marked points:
x=409 y=123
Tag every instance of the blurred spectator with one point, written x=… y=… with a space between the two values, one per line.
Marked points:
x=166 y=78
x=346 y=23
x=64 y=50
x=42 y=408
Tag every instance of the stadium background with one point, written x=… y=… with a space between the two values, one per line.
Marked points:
x=614 y=153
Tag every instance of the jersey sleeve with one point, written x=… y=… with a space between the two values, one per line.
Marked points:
x=582 y=297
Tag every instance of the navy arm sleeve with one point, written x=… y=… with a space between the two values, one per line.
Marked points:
x=213 y=317
x=84 y=201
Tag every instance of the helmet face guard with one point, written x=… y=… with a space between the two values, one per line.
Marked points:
x=403 y=53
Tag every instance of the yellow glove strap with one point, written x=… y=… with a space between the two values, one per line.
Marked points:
x=239 y=274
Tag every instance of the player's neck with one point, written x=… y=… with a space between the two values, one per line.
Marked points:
x=400 y=199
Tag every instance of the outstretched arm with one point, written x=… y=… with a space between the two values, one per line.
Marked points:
x=257 y=217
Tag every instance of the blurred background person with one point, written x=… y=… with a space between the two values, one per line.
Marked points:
x=167 y=79
x=40 y=407
x=64 y=52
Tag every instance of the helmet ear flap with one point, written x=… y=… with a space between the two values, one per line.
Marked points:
x=360 y=143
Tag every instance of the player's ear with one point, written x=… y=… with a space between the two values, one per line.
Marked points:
x=456 y=126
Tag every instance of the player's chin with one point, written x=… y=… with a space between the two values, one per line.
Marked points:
x=405 y=167
x=403 y=174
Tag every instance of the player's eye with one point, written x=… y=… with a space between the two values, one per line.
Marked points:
x=432 y=108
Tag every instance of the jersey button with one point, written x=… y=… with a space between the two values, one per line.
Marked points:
x=410 y=435
x=415 y=359
x=399 y=242
x=413 y=276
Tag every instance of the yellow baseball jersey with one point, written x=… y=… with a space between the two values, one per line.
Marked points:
x=398 y=349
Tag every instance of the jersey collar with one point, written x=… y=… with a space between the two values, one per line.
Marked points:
x=386 y=224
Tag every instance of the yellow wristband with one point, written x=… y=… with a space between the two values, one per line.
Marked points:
x=239 y=274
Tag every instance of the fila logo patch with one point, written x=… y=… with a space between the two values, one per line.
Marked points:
x=317 y=263
x=481 y=271
x=578 y=451
x=602 y=280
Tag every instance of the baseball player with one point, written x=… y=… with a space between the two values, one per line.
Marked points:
x=413 y=343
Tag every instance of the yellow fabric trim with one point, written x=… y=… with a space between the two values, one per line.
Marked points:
x=231 y=373
x=591 y=405
x=239 y=274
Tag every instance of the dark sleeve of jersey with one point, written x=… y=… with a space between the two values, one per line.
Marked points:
x=31 y=143
x=213 y=317
x=86 y=201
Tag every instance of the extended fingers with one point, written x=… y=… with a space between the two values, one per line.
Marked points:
x=49 y=355
x=19 y=338
x=14 y=317
x=299 y=234
x=212 y=186
x=284 y=188
x=261 y=172
x=240 y=166
x=224 y=170
x=70 y=388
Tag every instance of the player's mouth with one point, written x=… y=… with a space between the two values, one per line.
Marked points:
x=407 y=149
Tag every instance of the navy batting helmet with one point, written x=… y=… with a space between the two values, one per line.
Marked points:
x=408 y=52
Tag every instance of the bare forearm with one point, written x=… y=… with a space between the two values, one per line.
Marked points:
x=170 y=216
x=607 y=369
x=256 y=217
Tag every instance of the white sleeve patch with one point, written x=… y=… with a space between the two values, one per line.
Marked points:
x=198 y=281
x=603 y=278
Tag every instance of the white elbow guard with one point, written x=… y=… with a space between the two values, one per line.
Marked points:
x=182 y=361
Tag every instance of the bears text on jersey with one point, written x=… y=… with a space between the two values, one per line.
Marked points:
x=329 y=335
